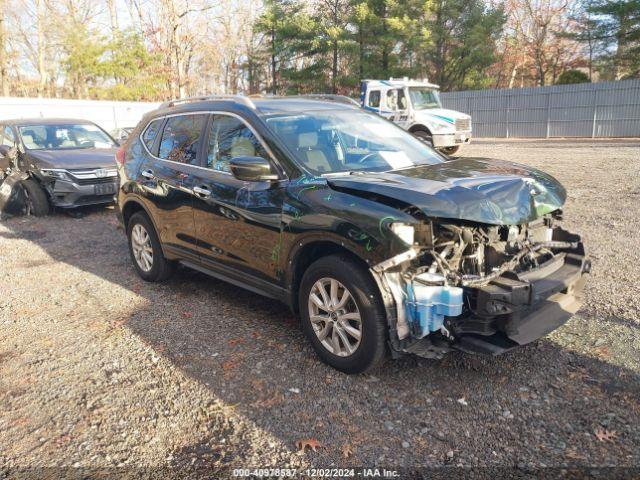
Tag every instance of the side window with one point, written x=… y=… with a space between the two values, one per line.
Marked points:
x=181 y=138
x=229 y=137
x=396 y=99
x=402 y=100
x=151 y=133
x=8 y=138
x=374 y=98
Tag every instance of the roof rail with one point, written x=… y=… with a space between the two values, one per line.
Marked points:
x=241 y=98
x=331 y=98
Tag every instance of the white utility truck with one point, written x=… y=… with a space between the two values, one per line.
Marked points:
x=415 y=106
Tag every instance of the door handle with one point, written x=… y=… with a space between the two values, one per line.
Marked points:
x=148 y=174
x=202 y=192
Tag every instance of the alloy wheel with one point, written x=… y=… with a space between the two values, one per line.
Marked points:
x=142 y=248
x=335 y=317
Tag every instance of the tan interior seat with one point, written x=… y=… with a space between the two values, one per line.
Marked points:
x=316 y=159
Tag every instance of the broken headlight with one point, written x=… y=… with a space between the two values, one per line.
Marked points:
x=57 y=173
x=404 y=232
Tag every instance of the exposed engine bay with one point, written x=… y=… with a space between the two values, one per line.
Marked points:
x=473 y=255
x=462 y=279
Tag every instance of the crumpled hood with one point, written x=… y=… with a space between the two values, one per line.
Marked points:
x=487 y=191
x=73 y=159
x=443 y=114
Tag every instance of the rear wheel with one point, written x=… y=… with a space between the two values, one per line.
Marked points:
x=37 y=200
x=425 y=136
x=342 y=314
x=145 y=250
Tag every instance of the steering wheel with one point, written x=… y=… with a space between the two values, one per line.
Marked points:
x=367 y=156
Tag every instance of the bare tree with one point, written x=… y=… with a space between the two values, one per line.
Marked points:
x=4 y=74
x=113 y=16
x=178 y=30
x=41 y=45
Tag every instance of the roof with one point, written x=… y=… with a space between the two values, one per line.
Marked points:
x=401 y=82
x=262 y=105
x=274 y=105
x=43 y=121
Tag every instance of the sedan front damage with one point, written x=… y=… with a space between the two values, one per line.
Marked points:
x=481 y=288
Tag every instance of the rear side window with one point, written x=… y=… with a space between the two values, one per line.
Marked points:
x=229 y=137
x=151 y=133
x=181 y=138
x=374 y=98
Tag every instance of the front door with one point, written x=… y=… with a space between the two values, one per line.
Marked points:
x=238 y=223
x=397 y=106
x=167 y=177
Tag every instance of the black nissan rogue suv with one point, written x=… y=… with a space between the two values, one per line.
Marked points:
x=376 y=241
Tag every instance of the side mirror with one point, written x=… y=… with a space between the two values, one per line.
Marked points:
x=4 y=150
x=252 y=169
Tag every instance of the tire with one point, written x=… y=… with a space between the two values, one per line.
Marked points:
x=37 y=201
x=158 y=268
x=450 y=150
x=424 y=136
x=363 y=354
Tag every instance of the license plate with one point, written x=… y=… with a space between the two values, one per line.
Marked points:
x=105 y=189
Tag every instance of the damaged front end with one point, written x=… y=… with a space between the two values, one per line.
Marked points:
x=480 y=288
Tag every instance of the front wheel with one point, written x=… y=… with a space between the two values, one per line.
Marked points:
x=342 y=314
x=450 y=150
x=37 y=200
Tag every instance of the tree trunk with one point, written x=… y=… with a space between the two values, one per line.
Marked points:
x=621 y=43
x=334 y=69
x=540 y=69
x=385 y=47
x=4 y=77
x=274 y=79
x=41 y=45
x=113 y=14
x=361 y=52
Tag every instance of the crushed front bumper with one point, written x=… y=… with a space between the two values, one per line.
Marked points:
x=517 y=309
x=511 y=310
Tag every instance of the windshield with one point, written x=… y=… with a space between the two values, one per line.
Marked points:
x=423 y=97
x=345 y=141
x=59 y=137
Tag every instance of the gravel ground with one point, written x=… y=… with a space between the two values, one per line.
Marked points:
x=99 y=369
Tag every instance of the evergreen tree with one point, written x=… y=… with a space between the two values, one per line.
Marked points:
x=617 y=25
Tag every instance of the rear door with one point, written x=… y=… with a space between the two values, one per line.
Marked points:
x=167 y=178
x=237 y=223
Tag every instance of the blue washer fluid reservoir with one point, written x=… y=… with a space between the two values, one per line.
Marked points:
x=427 y=305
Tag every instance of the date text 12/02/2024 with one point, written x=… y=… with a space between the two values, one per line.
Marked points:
x=316 y=472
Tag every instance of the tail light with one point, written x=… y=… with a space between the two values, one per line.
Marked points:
x=120 y=156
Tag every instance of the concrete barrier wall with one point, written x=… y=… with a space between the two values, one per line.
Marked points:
x=109 y=115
